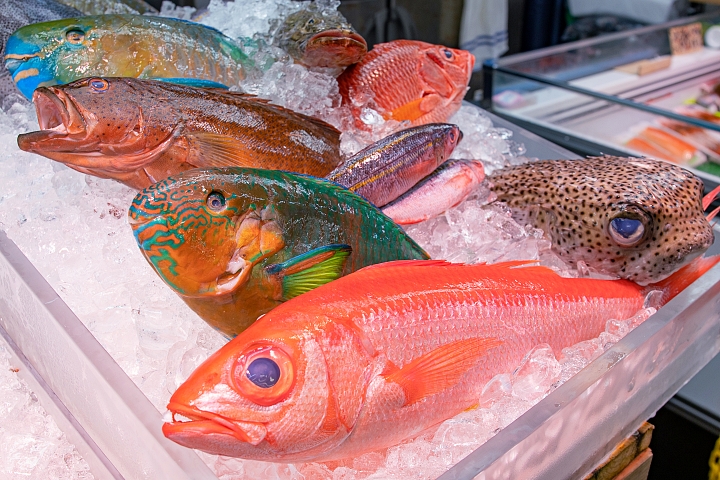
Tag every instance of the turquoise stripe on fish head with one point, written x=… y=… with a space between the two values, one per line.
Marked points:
x=26 y=63
x=201 y=238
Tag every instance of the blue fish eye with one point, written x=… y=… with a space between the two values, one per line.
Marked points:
x=448 y=54
x=263 y=372
x=215 y=201
x=99 y=84
x=626 y=231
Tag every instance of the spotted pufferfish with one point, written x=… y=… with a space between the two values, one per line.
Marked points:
x=634 y=218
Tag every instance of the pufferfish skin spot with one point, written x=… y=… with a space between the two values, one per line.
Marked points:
x=656 y=205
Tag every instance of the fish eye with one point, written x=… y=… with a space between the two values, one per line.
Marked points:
x=75 y=36
x=626 y=231
x=629 y=226
x=311 y=21
x=264 y=374
x=98 y=84
x=215 y=201
x=448 y=53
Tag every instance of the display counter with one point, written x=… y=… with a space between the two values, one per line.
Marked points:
x=563 y=436
x=601 y=94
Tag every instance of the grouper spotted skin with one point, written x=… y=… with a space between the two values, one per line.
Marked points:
x=634 y=218
x=141 y=131
x=234 y=243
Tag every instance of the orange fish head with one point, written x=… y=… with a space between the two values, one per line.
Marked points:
x=202 y=235
x=92 y=123
x=446 y=71
x=266 y=395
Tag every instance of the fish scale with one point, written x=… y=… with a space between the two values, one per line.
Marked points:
x=406 y=345
x=192 y=248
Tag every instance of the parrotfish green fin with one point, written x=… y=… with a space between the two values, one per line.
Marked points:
x=217 y=150
x=310 y=270
x=191 y=82
x=441 y=368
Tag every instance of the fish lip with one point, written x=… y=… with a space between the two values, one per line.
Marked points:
x=200 y=418
x=57 y=114
x=346 y=48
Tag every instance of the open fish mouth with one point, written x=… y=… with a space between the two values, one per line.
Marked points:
x=182 y=420
x=57 y=115
x=335 y=48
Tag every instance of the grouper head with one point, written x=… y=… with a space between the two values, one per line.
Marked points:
x=318 y=37
x=100 y=126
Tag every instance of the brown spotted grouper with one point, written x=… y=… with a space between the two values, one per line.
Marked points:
x=634 y=218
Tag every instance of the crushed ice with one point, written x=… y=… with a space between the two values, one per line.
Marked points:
x=31 y=444
x=74 y=230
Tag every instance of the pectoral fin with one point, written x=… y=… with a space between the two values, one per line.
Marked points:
x=441 y=368
x=216 y=150
x=310 y=270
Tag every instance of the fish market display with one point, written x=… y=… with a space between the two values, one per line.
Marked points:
x=407 y=80
x=234 y=243
x=100 y=7
x=390 y=167
x=62 y=51
x=141 y=131
x=18 y=13
x=658 y=143
x=443 y=189
x=318 y=35
x=707 y=139
x=633 y=218
x=381 y=355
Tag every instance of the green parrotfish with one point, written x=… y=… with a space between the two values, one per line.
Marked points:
x=234 y=243
x=61 y=51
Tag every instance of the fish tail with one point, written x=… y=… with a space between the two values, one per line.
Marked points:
x=681 y=279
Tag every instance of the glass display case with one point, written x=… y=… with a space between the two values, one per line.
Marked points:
x=630 y=93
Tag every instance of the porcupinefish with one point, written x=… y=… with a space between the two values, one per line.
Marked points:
x=635 y=218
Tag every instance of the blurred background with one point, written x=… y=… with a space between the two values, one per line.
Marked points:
x=493 y=28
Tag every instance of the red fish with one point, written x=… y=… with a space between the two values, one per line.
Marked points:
x=408 y=80
x=380 y=355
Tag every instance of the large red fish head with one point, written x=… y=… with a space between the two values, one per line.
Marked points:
x=446 y=71
x=287 y=390
x=203 y=231
x=94 y=125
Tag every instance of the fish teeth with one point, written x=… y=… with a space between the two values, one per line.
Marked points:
x=236 y=263
x=171 y=417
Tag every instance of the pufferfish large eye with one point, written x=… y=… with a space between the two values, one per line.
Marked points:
x=264 y=374
x=629 y=227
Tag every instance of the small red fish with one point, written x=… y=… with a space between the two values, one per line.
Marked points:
x=408 y=80
x=379 y=356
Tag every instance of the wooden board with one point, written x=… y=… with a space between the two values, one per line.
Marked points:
x=624 y=454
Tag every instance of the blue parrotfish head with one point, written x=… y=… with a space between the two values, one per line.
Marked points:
x=51 y=53
x=27 y=66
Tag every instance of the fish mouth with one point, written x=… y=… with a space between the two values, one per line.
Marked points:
x=60 y=121
x=189 y=421
x=334 y=48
